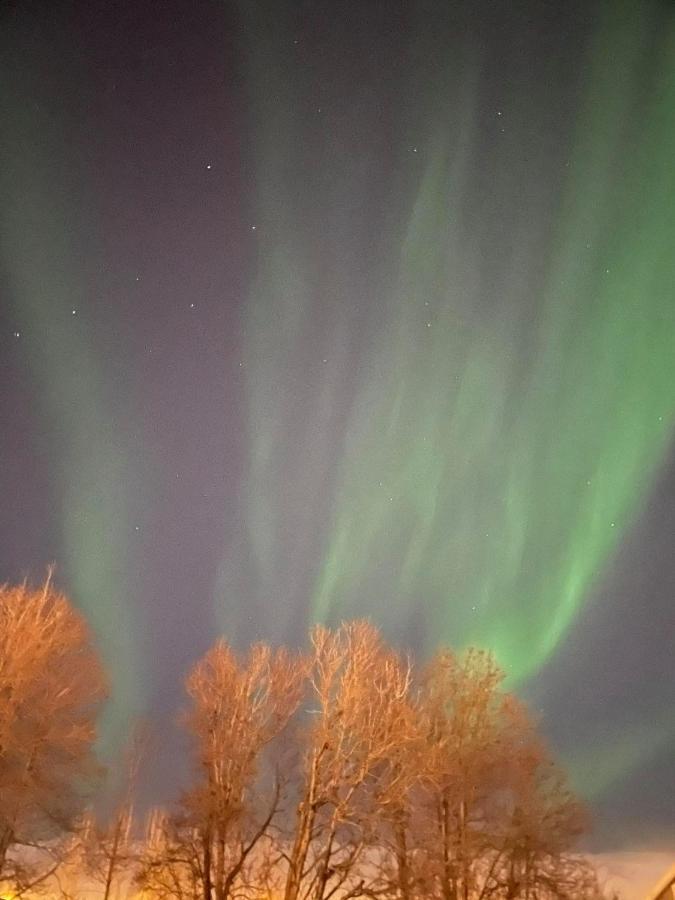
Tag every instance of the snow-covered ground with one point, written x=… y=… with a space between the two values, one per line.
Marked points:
x=632 y=874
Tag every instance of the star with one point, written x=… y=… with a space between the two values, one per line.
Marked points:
x=73 y=312
x=17 y=334
x=192 y=306
x=208 y=165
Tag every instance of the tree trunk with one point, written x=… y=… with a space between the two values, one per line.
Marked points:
x=323 y=873
x=449 y=877
x=305 y=824
x=402 y=858
x=463 y=852
x=306 y=815
x=220 y=867
x=112 y=862
x=6 y=838
x=207 y=864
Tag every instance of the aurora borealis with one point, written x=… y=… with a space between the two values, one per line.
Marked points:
x=317 y=310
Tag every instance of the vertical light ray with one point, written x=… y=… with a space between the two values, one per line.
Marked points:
x=41 y=241
x=484 y=457
x=491 y=468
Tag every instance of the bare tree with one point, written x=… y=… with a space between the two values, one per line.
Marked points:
x=542 y=825
x=51 y=688
x=171 y=862
x=489 y=815
x=474 y=730
x=110 y=844
x=239 y=707
x=360 y=719
x=436 y=790
x=431 y=789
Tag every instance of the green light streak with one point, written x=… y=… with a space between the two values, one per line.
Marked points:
x=41 y=254
x=491 y=459
x=596 y=770
x=490 y=482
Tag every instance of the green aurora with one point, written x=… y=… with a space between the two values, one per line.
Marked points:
x=41 y=218
x=489 y=463
x=457 y=468
x=503 y=484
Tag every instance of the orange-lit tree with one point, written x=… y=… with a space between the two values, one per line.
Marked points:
x=239 y=707
x=489 y=815
x=360 y=723
x=51 y=689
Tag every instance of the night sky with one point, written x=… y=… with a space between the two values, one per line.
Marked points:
x=317 y=310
